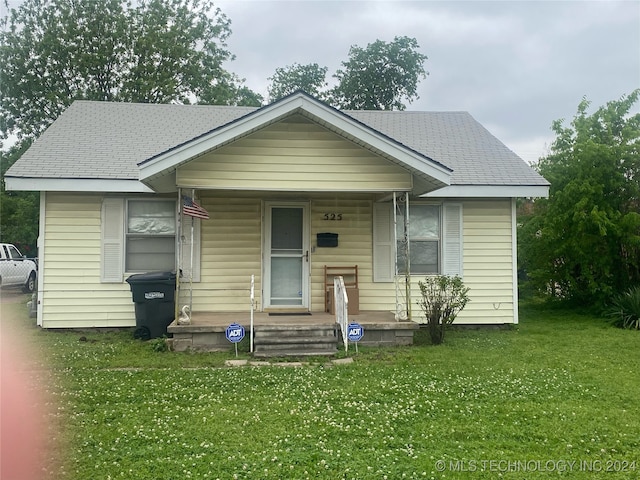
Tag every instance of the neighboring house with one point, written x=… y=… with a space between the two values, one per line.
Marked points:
x=112 y=175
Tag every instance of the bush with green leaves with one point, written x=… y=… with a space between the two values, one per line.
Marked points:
x=443 y=298
x=625 y=309
x=582 y=244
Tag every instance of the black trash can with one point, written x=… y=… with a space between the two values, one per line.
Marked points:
x=154 y=297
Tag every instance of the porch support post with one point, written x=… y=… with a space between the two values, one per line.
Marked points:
x=407 y=267
x=395 y=250
x=178 y=253
x=404 y=198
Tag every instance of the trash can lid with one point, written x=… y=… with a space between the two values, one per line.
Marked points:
x=150 y=277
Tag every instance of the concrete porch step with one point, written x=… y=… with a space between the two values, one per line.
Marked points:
x=295 y=330
x=295 y=340
x=300 y=340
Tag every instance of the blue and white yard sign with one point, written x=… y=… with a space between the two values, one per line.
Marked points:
x=355 y=332
x=234 y=333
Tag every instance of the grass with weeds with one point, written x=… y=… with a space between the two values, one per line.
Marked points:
x=553 y=397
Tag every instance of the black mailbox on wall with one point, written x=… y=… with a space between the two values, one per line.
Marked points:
x=327 y=239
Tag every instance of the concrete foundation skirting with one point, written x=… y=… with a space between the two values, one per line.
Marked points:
x=201 y=342
x=388 y=334
x=208 y=338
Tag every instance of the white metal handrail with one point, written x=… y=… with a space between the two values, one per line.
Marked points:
x=341 y=304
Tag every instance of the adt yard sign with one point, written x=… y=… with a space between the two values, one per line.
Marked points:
x=234 y=333
x=355 y=332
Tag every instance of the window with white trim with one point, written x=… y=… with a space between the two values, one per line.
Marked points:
x=424 y=235
x=435 y=236
x=150 y=235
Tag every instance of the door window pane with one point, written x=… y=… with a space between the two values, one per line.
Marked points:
x=286 y=229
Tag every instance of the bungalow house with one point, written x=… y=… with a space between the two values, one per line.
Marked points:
x=289 y=188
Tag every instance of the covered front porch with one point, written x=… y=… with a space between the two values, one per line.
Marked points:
x=289 y=334
x=285 y=196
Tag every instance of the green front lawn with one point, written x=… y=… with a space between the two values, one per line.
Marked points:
x=555 y=397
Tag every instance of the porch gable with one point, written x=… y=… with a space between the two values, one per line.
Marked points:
x=429 y=174
x=294 y=154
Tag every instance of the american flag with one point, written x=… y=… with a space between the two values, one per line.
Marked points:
x=191 y=208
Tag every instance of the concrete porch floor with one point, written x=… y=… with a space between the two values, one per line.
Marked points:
x=207 y=329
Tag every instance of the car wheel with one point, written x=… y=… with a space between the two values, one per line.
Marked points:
x=30 y=286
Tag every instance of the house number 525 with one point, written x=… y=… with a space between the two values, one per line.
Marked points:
x=333 y=216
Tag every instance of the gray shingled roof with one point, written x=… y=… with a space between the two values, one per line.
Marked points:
x=103 y=140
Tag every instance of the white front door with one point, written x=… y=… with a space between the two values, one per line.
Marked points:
x=286 y=267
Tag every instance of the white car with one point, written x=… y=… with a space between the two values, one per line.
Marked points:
x=16 y=270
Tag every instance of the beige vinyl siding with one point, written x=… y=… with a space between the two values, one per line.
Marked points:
x=354 y=245
x=73 y=296
x=488 y=262
x=294 y=155
x=231 y=253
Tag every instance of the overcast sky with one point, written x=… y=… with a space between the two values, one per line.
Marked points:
x=515 y=66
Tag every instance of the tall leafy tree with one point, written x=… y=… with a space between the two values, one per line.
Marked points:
x=381 y=76
x=583 y=243
x=55 y=51
x=311 y=78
